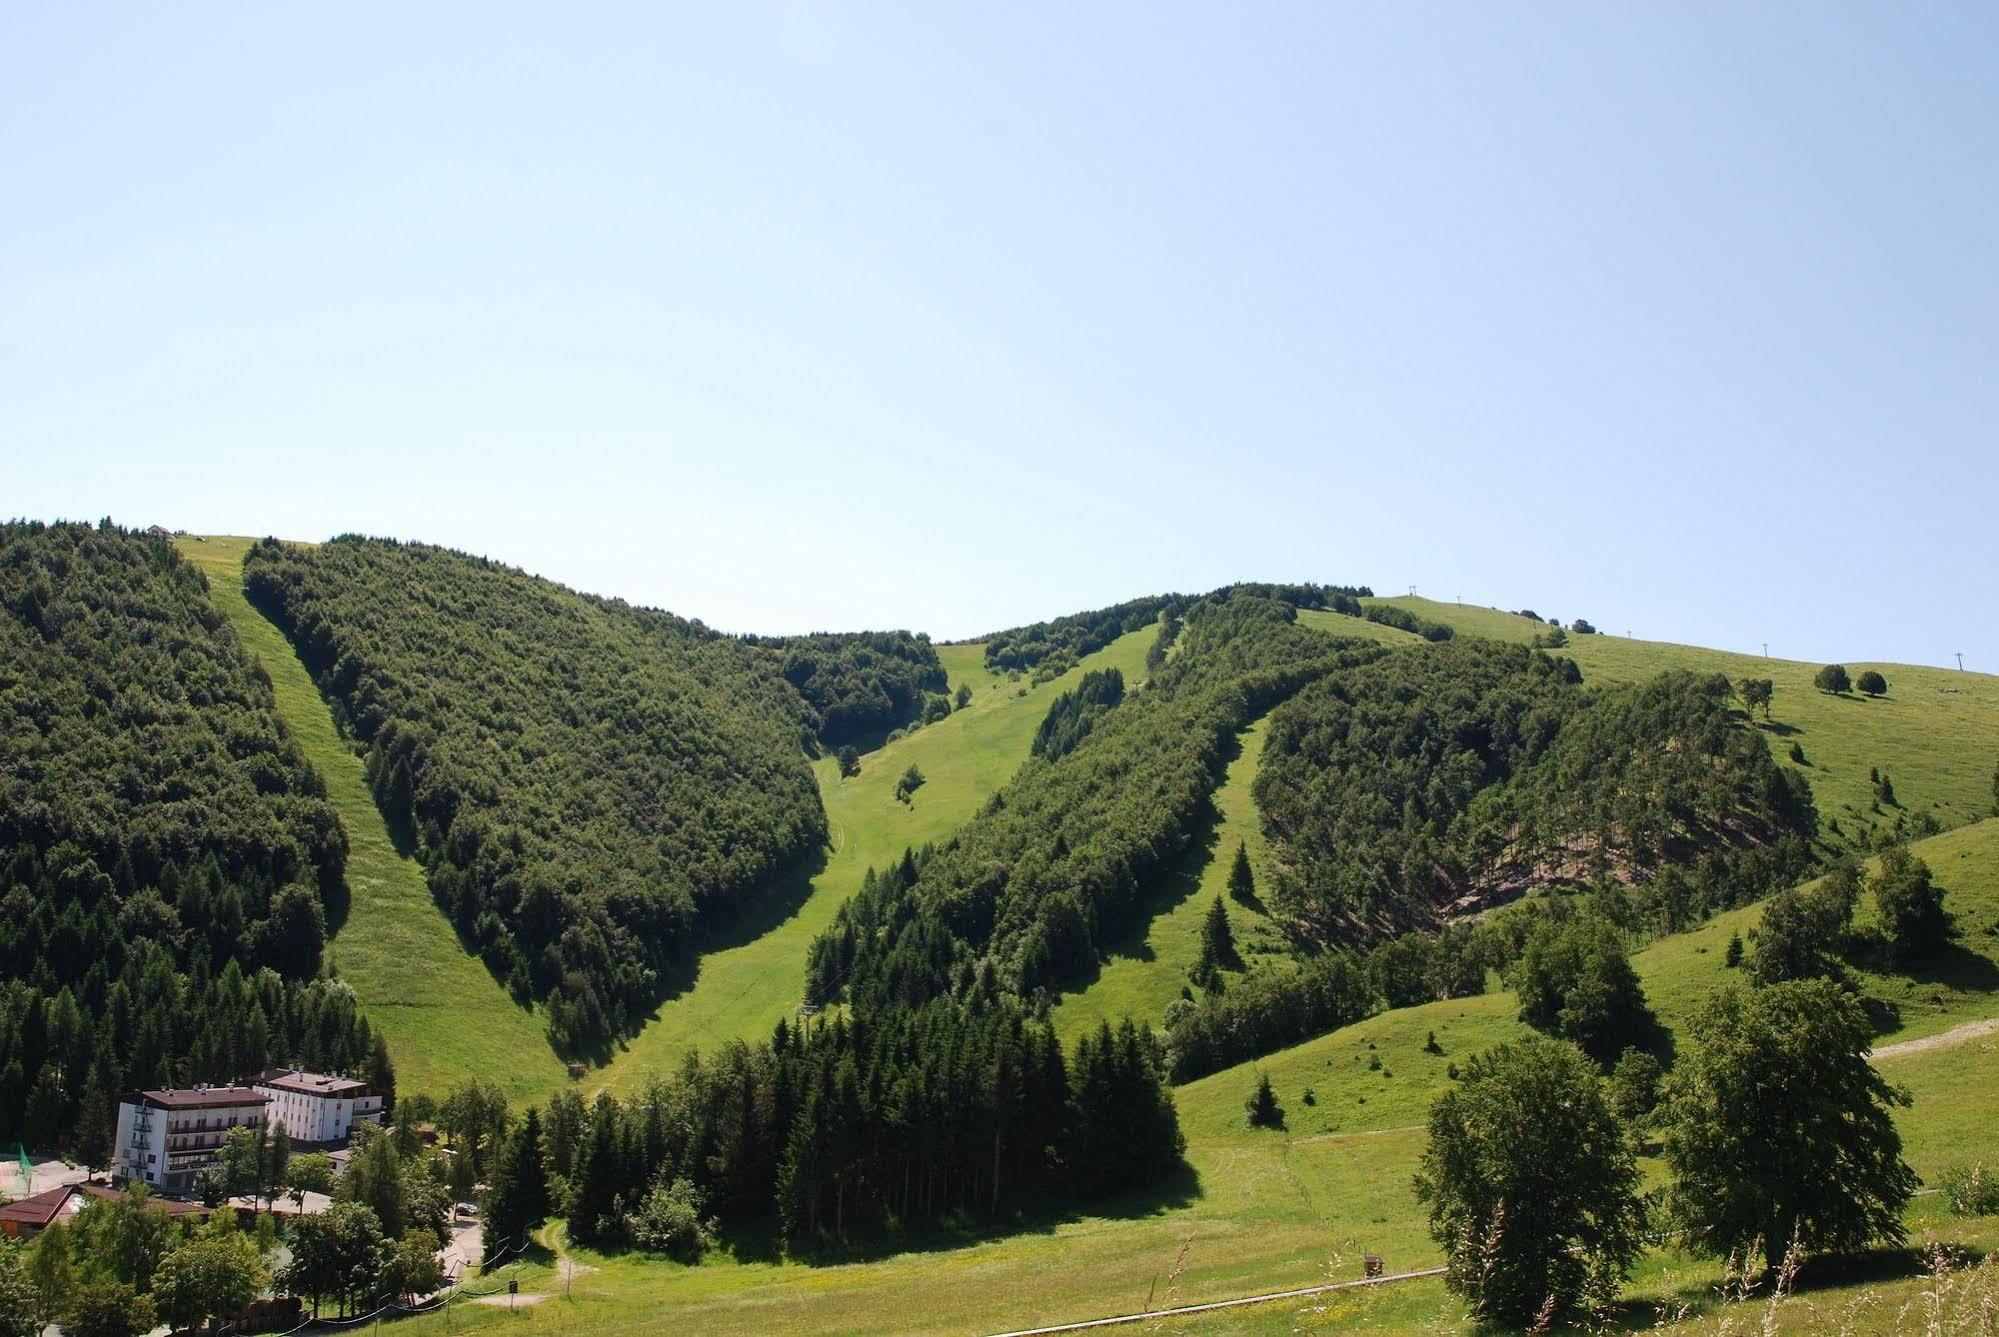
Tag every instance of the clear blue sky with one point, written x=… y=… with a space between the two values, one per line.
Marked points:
x=1682 y=318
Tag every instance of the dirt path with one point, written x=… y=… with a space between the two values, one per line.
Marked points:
x=1970 y=1030
x=1182 y=1310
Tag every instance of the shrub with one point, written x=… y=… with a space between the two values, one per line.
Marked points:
x=910 y=781
x=1872 y=683
x=669 y=1221
x=1832 y=678
x=1971 y=1190
x=1634 y=1087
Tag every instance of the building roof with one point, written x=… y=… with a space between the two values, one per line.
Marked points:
x=37 y=1209
x=173 y=1206
x=198 y=1098
x=310 y=1083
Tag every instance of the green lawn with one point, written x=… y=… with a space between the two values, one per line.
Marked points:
x=745 y=990
x=1935 y=733
x=445 y=1017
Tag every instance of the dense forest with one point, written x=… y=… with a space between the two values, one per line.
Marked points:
x=1074 y=713
x=858 y=1124
x=862 y=684
x=1019 y=899
x=1453 y=775
x=586 y=782
x=167 y=857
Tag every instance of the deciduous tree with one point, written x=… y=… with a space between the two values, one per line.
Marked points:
x=1778 y=1128
x=1530 y=1184
x=1913 y=918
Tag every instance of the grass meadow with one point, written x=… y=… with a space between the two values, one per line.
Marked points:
x=1935 y=733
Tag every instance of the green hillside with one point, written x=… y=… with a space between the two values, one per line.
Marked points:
x=593 y=789
x=1270 y=1210
x=447 y=1020
x=743 y=991
x=1145 y=814
x=1935 y=733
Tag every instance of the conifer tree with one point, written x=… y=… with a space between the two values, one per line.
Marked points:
x=1242 y=881
x=600 y=1175
x=96 y=1120
x=519 y=1198
x=1217 y=939
x=1264 y=1111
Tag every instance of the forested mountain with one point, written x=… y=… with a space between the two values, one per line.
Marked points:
x=167 y=860
x=862 y=684
x=585 y=781
x=1020 y=898
x=1455 y=775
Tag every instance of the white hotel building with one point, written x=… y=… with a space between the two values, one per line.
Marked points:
x=317 y=1110
x=168 y=1138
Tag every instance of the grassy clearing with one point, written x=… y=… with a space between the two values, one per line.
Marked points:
x=445 y=1017
x=1359 y=628
x=1935 y=733
x=744 y=990
x=1147 y=970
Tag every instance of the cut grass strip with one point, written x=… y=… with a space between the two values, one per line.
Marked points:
x=445 y=1016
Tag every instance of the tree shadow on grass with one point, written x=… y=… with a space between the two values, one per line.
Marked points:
x=1831 y=1272
x=336 y=902
x=724 y=927
x=1174 y=1191
x=1957 y=967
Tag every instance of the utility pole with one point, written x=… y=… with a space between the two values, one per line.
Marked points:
x=1960 y=661
x=1412 y=591
x=1766 y=649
